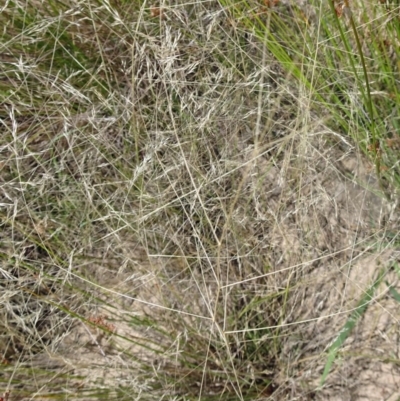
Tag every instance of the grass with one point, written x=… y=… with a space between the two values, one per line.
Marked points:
x=183 y=213
x=349 y=326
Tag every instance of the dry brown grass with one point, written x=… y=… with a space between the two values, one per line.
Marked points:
x=186 y=208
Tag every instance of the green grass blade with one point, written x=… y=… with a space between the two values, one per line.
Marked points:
x=393 y=292
x=348 y=327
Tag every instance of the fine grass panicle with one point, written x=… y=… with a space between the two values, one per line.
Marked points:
x=199 y=200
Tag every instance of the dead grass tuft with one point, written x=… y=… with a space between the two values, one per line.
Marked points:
x=195 y=198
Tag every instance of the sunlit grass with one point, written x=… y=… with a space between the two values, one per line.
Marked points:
x=148 y=157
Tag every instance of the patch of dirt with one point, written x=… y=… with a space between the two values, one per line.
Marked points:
x=338 y=242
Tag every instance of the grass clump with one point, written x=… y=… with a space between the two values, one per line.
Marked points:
x=183 y=209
